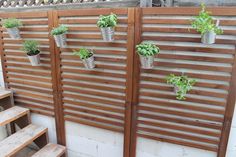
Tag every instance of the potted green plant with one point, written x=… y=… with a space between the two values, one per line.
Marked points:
x=182 y=84
x=205 y=24
x=32 y=51
x=107 y=24
x=12 y=26
x=147 y=52
x=86 y=56
x=59 y=35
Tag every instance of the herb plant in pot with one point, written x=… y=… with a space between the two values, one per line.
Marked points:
x=12 y=25
x=205 y=24
x=107 y=24
x=182 y=84
x=59 y=35
x=86 y=56
x=32 y=51
x=147 y=52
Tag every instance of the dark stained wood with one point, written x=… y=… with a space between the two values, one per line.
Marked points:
x=228 y=116
x=56 y=79
x=129 y=82
x=136 y=79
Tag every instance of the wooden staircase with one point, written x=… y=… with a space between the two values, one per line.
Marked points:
x=27 y=134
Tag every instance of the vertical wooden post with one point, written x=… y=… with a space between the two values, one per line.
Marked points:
x=56 y=80
x=136 y=78
x=129 y=80
x=3 y=59
x=228 y=113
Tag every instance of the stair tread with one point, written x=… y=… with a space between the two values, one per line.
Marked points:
x=12 y=114
x=50 y=150
x=4 y=93
x=20 y=139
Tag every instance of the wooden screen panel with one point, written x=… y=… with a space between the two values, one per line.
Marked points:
x=32 y=85
x=198 y=121
x=95 y=97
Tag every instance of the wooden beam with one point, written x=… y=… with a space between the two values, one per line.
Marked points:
x=136 y=78
x=229 y=112
x=129 y=81
x=56 y=81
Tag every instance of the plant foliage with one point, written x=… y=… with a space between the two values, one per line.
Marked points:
x=83 y=53
x=59 y=30
x=147 y=49
x=107 y=21
x=182 y=83
x=31 y=47
x=204 y=22
x=11 y=23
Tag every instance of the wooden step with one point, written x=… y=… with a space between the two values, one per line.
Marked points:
x=4 y=93
x=20 y=139
x=12 y=114
x=50 y=150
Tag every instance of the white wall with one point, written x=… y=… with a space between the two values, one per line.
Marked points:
x=86 y=141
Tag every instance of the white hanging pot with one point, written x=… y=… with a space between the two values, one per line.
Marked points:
x=108 y=34
x=14 y=33
x=89 y=62
x=34 y=60
x=209 y=37
x=60 y=40
x=145 y=3
x=147 y=62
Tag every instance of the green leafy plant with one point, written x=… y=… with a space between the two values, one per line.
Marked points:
x=204 y=22
x=11 y=23
x=83 y=53
x=59 y=30
x=107 y=21
x=147 y=49
x=31 y=47
x=183 y=84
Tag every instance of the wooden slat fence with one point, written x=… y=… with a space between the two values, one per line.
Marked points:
x=198 y=121
x=32 y=85
x=117 y=95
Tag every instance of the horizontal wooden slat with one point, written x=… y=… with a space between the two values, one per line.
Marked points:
x=178 y=142
x=92 y=118
x=179 y=135
x=90 y=12
x=225 y=11
x=182 y=121
x=181 y=113
x=93 y=112
x=94 y=124
x=86 y=21
x=180 y=128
